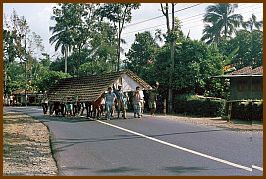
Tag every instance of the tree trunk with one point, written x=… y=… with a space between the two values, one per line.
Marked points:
x=225 y=26
x=79 y=60
x=66 y=61
x=5 y=92
x=118 y=46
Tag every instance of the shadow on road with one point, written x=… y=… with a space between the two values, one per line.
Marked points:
x=181 y=169
x=62 y=143
x=117 y=170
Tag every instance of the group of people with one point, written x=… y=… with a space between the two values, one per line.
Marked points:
x=104 y=105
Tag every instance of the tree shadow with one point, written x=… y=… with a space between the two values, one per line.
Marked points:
x=118 y=170
x=60 y=144
x=182 y=169
x=63 y=119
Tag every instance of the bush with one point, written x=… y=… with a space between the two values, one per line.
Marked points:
x=189 y=104
x=247 y=110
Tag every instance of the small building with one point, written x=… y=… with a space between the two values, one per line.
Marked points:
x=245 y=84
x=22 y=97
x=90 y=88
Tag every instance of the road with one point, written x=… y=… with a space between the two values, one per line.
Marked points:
x=149 y=146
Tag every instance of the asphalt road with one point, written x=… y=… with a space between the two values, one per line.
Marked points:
x=149 y=146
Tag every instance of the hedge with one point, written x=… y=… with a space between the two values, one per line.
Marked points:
x=247 y=110
x=193 y=105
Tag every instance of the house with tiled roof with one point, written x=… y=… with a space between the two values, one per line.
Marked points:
x=90 y=88
x=245 y=83
x=20 y=97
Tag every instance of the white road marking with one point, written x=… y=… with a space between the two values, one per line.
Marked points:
x=181 y=148
x=256 y=167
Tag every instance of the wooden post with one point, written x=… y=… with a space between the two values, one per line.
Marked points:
x=164 y=106
x=229 y=112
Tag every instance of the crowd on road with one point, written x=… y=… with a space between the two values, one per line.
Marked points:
x=110 y=101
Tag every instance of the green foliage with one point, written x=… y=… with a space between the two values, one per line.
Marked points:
x=249 y=45
x=118 y=14
x=247 y=110
x=48 y=78
x=95 y=67
x=195 y=63
x=192 y=105
x=141 y=55
x=251 y=23
x=221 y=22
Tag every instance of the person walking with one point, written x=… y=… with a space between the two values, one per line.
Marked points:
x=109 y=102
x=69 y=107
x=122 y=99
x=142 y=102
x=45 y=103
x=137 y=102
x=152 y=100
x=63 y=106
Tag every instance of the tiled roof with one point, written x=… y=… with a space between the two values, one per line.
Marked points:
x=248 y=71
x=88 y=88
x=257 y=71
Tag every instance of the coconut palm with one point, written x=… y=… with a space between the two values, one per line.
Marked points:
x=61 y=40
x=251 y=23
x=211 y=34
x=222 y=20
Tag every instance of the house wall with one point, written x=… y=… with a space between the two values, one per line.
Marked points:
x=246 y=88
x=128 y=84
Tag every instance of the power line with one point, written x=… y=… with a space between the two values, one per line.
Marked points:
x=162 y=15
x=182 y=21
x=175 y=12
x=241 y=13
x=185 y=21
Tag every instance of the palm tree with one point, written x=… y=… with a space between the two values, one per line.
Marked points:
x=222 y=20
x=61 y=39
x=211 y=34
x=252 y=22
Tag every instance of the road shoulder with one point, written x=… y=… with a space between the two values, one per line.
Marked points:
x=26 y=147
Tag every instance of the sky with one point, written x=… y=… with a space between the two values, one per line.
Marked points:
x=38 y=17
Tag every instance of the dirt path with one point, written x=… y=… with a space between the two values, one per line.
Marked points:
x=238 y=125
x=26 y=147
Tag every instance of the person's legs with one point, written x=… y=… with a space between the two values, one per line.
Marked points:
x=108 y=111
x=124 y=110
x=135 y=109
x=139 y=110
x=62 y=109
x=118 y=108
x=43 y=108
x=46 y=107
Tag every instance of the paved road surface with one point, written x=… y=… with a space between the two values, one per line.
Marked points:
x=149 y=146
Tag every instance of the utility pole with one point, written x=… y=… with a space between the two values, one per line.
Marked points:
x=170 y=33
x=26 y=71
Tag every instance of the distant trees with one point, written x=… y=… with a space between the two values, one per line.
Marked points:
x=20 y=44
x=89 y=38
x=141 y=55
x=118 y=14
x=87 y=33
x=252 y=23
x=75 y=25
x=195 y=62
x=242 y=49
x=248 y=47
x=221 y=22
